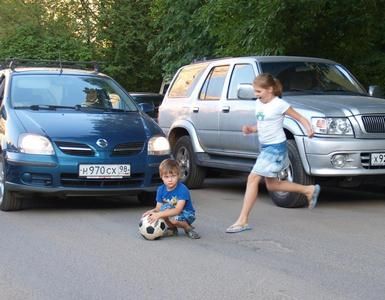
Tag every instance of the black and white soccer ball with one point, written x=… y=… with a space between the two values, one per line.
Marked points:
x=152 y=231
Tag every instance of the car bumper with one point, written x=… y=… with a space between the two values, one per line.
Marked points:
x=318 y=153
x=49 y=175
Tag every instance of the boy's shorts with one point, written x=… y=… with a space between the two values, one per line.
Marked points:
x=184 y=216
x=271 y=160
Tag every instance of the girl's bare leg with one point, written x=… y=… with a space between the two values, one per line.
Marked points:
x=273 y=184
x=249 y=198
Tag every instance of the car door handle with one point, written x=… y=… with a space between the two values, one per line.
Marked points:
x=195 y=109
x=226 y=109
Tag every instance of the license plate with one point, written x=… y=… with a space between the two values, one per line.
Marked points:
x=377 y=159
x=104 y=171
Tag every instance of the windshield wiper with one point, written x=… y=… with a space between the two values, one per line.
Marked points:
x=76 y=107
x=106 y=109
x=46 y=107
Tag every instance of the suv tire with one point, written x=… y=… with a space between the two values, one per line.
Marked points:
x=295 y=173
x=191 y=174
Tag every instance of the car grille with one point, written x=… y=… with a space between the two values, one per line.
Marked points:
x=73 y=180
x=374 y=124
x=75 y=149
x=79 y=149
x=365 y=162
x=128 y=148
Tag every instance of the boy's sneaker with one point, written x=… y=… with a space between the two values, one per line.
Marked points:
x=192 y=234
x=171 y=232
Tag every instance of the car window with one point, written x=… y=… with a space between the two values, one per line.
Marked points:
x=186 y=80
x=213 y=85
x=242 y=73
x=68 y=90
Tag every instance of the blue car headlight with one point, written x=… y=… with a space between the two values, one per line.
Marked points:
x=158 y=145
x=35 y=144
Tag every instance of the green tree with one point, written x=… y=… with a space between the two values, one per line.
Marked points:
x=181 y=36
x=123 y=36
x=113 y=31
x=29 y=31
x=350 y=32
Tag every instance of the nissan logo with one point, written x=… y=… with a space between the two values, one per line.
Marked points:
x=102 y=143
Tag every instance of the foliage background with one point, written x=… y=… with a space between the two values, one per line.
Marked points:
x=143 y=41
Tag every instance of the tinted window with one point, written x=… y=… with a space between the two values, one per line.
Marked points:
x=242 y=73
x=186 y=80
x=213 y=86
x=313 y=77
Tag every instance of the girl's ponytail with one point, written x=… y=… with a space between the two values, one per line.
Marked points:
x=266 y=80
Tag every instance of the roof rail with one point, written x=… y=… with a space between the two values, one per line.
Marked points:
x=207 y=58
x=13 y=63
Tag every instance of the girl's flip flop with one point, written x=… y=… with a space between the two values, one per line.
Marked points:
x=314 y=198
x=237 y=228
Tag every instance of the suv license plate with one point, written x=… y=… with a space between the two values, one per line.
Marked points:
x=377 y=159
x=104 y=171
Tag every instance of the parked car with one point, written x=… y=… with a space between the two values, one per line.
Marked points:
x=208 y=102
x=153 y=99
x=68 y=131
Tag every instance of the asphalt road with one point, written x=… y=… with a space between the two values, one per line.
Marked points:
x=91 y=249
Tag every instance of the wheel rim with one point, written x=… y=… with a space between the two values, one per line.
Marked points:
x=183 y=158
x=286 y=174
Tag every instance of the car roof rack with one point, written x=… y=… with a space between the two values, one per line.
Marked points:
x=207 y=58
x=14 y=63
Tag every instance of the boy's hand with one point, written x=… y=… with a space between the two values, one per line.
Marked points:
x=148 y=212
x=153 y=217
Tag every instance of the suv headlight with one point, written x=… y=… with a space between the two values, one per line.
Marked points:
x=35 y=144
x=332 y=126
x=158 y=145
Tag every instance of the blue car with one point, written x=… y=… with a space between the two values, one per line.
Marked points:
x=68 y=131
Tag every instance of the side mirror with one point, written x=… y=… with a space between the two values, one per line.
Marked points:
x=245 y=91
x=148 y=108
x=376 y=91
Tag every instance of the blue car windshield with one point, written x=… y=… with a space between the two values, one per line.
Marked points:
x=72 y=91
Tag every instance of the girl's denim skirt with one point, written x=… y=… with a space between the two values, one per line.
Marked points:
x=271 y=160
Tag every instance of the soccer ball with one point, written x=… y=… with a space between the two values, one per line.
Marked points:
x=151 y=231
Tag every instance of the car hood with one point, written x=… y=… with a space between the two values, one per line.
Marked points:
x=77 y=126
x=337 y=105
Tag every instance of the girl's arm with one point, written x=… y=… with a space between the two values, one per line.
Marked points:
x=305 y=123
x=168 y=212
x=247 y=129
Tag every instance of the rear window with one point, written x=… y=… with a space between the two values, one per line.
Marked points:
x=186 y=80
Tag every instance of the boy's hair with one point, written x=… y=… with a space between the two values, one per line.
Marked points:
x=266 y=80
x=169 y=166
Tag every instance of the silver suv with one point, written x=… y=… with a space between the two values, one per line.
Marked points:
x=208 y=102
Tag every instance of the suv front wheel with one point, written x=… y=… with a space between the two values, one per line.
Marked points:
x=192 y=174
x=294 y=173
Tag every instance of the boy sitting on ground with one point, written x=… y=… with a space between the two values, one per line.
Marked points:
x=173 y=202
